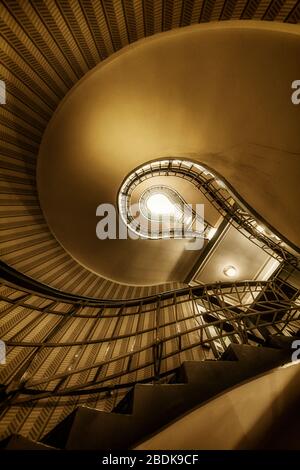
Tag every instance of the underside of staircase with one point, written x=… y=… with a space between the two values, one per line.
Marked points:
x=149 y=407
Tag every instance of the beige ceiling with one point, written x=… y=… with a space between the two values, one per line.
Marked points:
x=218 y=93
x=234 y=249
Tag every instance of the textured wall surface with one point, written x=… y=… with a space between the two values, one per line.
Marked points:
x=46 y=47
x=45 y=338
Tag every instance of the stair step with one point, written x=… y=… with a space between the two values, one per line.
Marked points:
x=245 y=352
x=18 y=442
x=283 y=342
x=155 y=405
x=94 y=429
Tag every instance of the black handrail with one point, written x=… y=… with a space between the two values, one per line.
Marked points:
x=268 y=308
x=26 y=283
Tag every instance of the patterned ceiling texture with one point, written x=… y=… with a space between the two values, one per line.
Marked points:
x=46 y=47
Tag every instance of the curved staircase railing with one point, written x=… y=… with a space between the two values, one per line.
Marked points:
x=211 y=317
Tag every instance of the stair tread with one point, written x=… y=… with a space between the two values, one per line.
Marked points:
x=154 y=405
x=19 y=442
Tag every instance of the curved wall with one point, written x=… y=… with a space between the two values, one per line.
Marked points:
x=46 y=49
x=238 y=420
x=219 y=93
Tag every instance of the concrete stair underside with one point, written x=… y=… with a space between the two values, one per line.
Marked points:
x=151 y=406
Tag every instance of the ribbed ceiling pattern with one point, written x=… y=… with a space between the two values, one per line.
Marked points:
x=46 y=47
x=83 y=337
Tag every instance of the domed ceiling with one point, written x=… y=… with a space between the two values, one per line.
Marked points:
x=217 y=93
x=47 y=46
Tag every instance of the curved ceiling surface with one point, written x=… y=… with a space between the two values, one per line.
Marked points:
x=219 y=94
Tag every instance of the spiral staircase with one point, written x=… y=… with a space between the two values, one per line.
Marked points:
x=86 y=355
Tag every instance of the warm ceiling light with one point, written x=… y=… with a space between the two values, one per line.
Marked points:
x=230 y=271
x=159 y=204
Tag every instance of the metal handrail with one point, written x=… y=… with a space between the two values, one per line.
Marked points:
x=266 y=306
x=53 y=294
x=244 y=318
x=224 y=198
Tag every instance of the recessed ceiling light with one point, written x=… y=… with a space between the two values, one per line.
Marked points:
x=230 y=271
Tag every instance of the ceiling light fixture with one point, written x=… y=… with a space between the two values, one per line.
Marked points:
x=159 y=204
x=230 y=271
